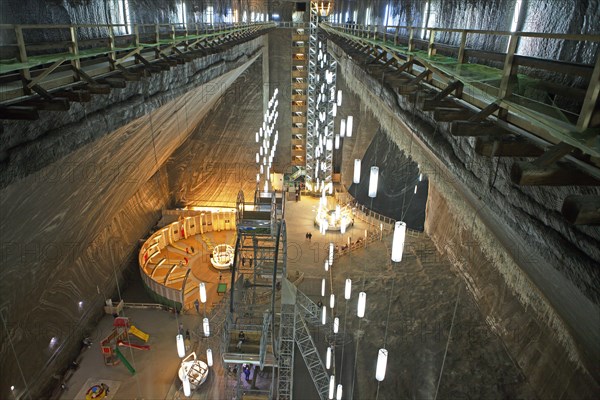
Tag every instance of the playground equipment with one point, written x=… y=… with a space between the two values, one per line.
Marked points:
x=120 y=337
x=196 y=370
x=97 y=392
x=222 y=256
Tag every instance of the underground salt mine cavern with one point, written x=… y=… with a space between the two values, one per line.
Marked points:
x=251 y=199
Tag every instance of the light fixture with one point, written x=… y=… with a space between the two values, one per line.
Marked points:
x=202 y=292
x=331 y=300
x=336 y=325
x=338 y=393
x=206 y=326
x=331 y=386
x=209 y=357
x=398 y=241
x=337 y=142
x=420 y=177
x=180 y=346
x=349 y=123
x=373 y=182
x=324 y=315
x=362 y=304
x=326 y=265
x=348 y=289
x=342 y=127
x=323 y=287
x=187 y=390
x=339 y=98
x=328 y=358
x=356 y=171
x=382 y=357
x=415 y=189
x=331 y=248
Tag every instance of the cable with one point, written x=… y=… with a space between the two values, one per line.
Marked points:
x=447 y=343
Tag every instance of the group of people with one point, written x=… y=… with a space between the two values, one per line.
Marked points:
x=308 y=235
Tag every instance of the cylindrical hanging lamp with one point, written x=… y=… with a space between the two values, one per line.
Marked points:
x=362 y=304
x=338 y=393
x=356 y=171
x=180 y=346
x=398 y=241
x=349 y=123
x=331 y=387
x=209 y=357
x=202 y=292
x=348 y=289
x=373 y=182
x=206 y=327
x=382 y=357
x=187 y=390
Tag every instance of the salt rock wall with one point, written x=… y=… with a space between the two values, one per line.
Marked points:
x=557 y=16
x=398 y=176
x=78 y=191
x=519 y=229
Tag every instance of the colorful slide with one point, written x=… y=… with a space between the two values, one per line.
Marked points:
x=134 y=346
x=135 y=331
x=124 y=361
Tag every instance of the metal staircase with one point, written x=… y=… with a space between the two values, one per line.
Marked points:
x=311 y=356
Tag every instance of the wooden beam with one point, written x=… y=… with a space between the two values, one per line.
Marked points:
x=113 y=82
x=19 y=112
x=454 y=85
x=466 y=128
x=506 y=146
x=75 y=95
x=486 y=112
x=553 y=154
x=582 y=209
x=529 y=174
x=55 y=104
x=42 y=92
x=98 y=89
x=432 y=104
x=451 y=114
x=407 y=89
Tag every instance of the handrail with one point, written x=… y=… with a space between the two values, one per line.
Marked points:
x=488 y=85
x=37 y=65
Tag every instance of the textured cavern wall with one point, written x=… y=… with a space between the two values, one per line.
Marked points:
x=72 y=182
x=520 y=230
x=398 y=176
x=27 y=147
x=557 y=16
x=218 y=159
x=113 y=12
x=530 y=342
x=365 y=127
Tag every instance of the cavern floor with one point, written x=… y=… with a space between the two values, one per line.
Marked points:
x=412 y=308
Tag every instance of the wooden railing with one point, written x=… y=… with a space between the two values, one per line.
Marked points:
x=494 y=77
x=30 y=63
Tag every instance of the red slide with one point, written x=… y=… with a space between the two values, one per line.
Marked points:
x=134 y=346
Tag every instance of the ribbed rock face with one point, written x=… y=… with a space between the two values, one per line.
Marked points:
x=79 y=189
x=519 y=229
